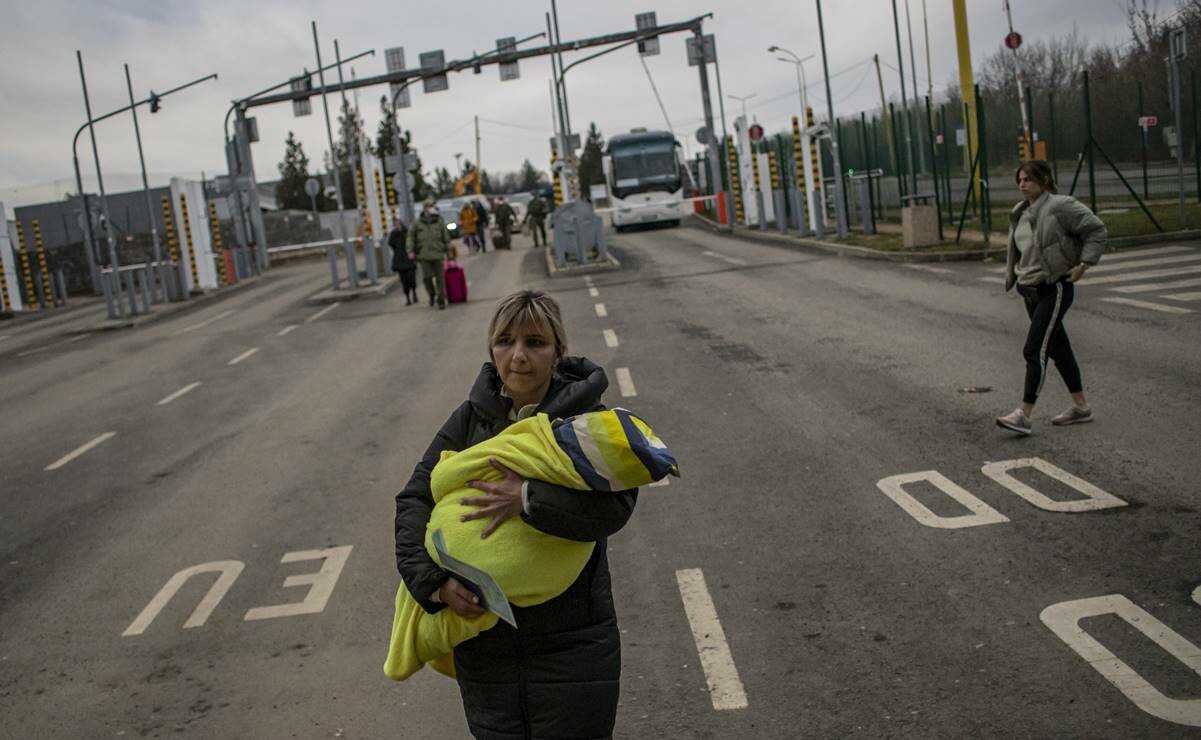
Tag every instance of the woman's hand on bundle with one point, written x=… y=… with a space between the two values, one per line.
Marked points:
x=1077 y=272
x=501 y=501
x=459 y=599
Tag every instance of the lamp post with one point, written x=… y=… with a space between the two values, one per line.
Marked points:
x=742 y=99
x=839 y=188
x=810 y=192
x=800 y=72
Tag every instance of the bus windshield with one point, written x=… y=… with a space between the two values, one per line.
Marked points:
x=643 y=166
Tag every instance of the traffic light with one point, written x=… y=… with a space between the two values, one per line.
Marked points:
x=154 y=102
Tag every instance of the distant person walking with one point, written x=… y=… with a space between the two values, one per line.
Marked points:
x=429 y=244
x=505 y=217
x=481 y=224
x=536 y=216
x=468 y=219
x=1053 y=240
x=404 y=267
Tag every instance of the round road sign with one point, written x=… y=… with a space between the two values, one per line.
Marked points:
x=755 y=132
x=702 y=135
x=1013 y=40
x=312 y=187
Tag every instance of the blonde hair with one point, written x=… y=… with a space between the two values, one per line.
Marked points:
x=528 y=308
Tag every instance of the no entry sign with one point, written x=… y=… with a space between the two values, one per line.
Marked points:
x=755 y=132
x=1148 y=121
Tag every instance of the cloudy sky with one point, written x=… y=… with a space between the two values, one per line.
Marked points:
x=254 y=44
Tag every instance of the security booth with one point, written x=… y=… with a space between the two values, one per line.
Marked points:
x=191 y=223
x=579 y=234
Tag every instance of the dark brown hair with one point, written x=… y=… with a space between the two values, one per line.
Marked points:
x=1039 y=171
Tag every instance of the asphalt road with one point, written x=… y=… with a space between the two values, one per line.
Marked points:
x=789 y=384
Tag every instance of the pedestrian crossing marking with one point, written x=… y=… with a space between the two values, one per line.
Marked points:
x=1111 y=266
x=1193 y=296
x=1145 y=275
x=1175 y=285
x=1148 y=305
x=1111 y=256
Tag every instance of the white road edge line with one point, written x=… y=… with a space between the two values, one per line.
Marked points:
x=286 y=330
x=323 y=312
x=79 y=451
x=610 y=338
x=186 y=389
x=1148 y=305
x=593 y=292
x=204 y=323
x=243 y=356
x=725 y=687
x=625 y=383
x=928 y=268
x=601 y=311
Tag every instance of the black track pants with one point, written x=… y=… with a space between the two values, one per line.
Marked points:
x=1046 y=303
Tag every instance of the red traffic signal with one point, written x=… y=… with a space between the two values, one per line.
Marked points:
x=1013 y=39
x=755 y=132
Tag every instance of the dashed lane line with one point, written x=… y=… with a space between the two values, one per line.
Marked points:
x=601 y=311
x=206 y=322
x=243 y=356
x=1148 y=305
x=593 y=292
x=182 y=391
x=625 y=383
x=322 y=312
x=286 y=330
x=80 y=450
x=1194 y=296
x=929 y=268
x=610 y=338
x=727 y=258
x=725 y=687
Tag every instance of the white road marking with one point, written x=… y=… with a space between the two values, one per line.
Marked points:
x=1147 y=275
x=601 y=311
x=322 y=312
x=588 y=280
x=1194 y=296
x=243 y=356
x=625 y=383
x=982 y=514
x=321 y=584
x=725 y=687
x=593 y=292
x=731 y=260
x=1197 y=595
x=204 y=323
x=286 y=330
x=610 y=338
x=929 y=268
x=998 y=280
x=1111 y=256
x=80 y=450
x=1097 y=499
x=229 y=570
x=1111 y=266
x=1148 y=305
x=186 y=389
x=1174 y=285
x=1064 y=620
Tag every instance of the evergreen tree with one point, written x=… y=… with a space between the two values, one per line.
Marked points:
x=531 y=178
x=346 y=147
x=592 y=172
x=444 y=184
x=487 y=184
x=385 y=145
x=294 y=172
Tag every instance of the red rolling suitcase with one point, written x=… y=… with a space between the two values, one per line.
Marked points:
x=456 y=283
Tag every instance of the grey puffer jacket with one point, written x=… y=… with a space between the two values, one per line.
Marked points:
x=1067 y=233
x=558 y=674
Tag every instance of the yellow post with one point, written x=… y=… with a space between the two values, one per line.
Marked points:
x=43 y=268
x=774 y=168
x=169 y=224
x=735 y=180
x=967 y=85
x=379 y=199
x=798 y=158
x=5 y=304
x=187 y=232
x=31 y=297
x=361 y=192
x=558 y=187
x=218 y=250
x=755 y=168
x=814 y=155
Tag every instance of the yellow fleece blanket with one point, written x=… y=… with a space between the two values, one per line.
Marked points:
x=604 y=450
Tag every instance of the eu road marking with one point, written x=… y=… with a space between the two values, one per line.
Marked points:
x=243 y=356
x=286 y=330
x=80 y=450
x=204 y=323
x=322 y=312
x=725 y=687
x=625 y=383
x=601 y=311
x=186 y=389
x=610 y=338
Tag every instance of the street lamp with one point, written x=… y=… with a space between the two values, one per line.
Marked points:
x=800 y=70
x=743 y=100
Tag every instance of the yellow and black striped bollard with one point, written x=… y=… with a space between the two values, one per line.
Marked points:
x=361 y=192
x=43 y=267
x=218 y=248
x=5 y=303
x=814 y=156
x=556 y=185
x=31 y=297
x=187 y=232
x=735 y=180
x=798 y=161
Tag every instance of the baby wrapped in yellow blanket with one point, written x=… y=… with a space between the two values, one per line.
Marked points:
x=598 y=451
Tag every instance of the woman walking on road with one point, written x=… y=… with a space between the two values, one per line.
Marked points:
x=403 y=265
x=557 y=673
x=1053 y=240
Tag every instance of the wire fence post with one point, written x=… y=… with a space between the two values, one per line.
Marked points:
x=973 y=158
x=934 y=169
x=1143 y=138
x=892 y=117
x=985 y=195
x=946 y=157
x=1088 y=145
x=1196 y=143
x=1051 y=141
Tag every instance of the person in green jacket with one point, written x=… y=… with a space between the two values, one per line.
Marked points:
x=429 y=244
x=536 y=215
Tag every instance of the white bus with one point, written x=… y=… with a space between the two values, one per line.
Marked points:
x=645 y=178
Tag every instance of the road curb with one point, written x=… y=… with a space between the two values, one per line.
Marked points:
x=330 y=295
x=167 y=310
x=555 y=271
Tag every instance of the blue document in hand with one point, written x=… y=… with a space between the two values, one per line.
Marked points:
x=480 y=583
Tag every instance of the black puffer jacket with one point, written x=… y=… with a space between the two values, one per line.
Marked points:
x=557 y=675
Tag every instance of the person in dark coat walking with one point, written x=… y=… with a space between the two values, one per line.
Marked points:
x=481 y=224
x=557 y=674
x=404 y=267
x=535 y=214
